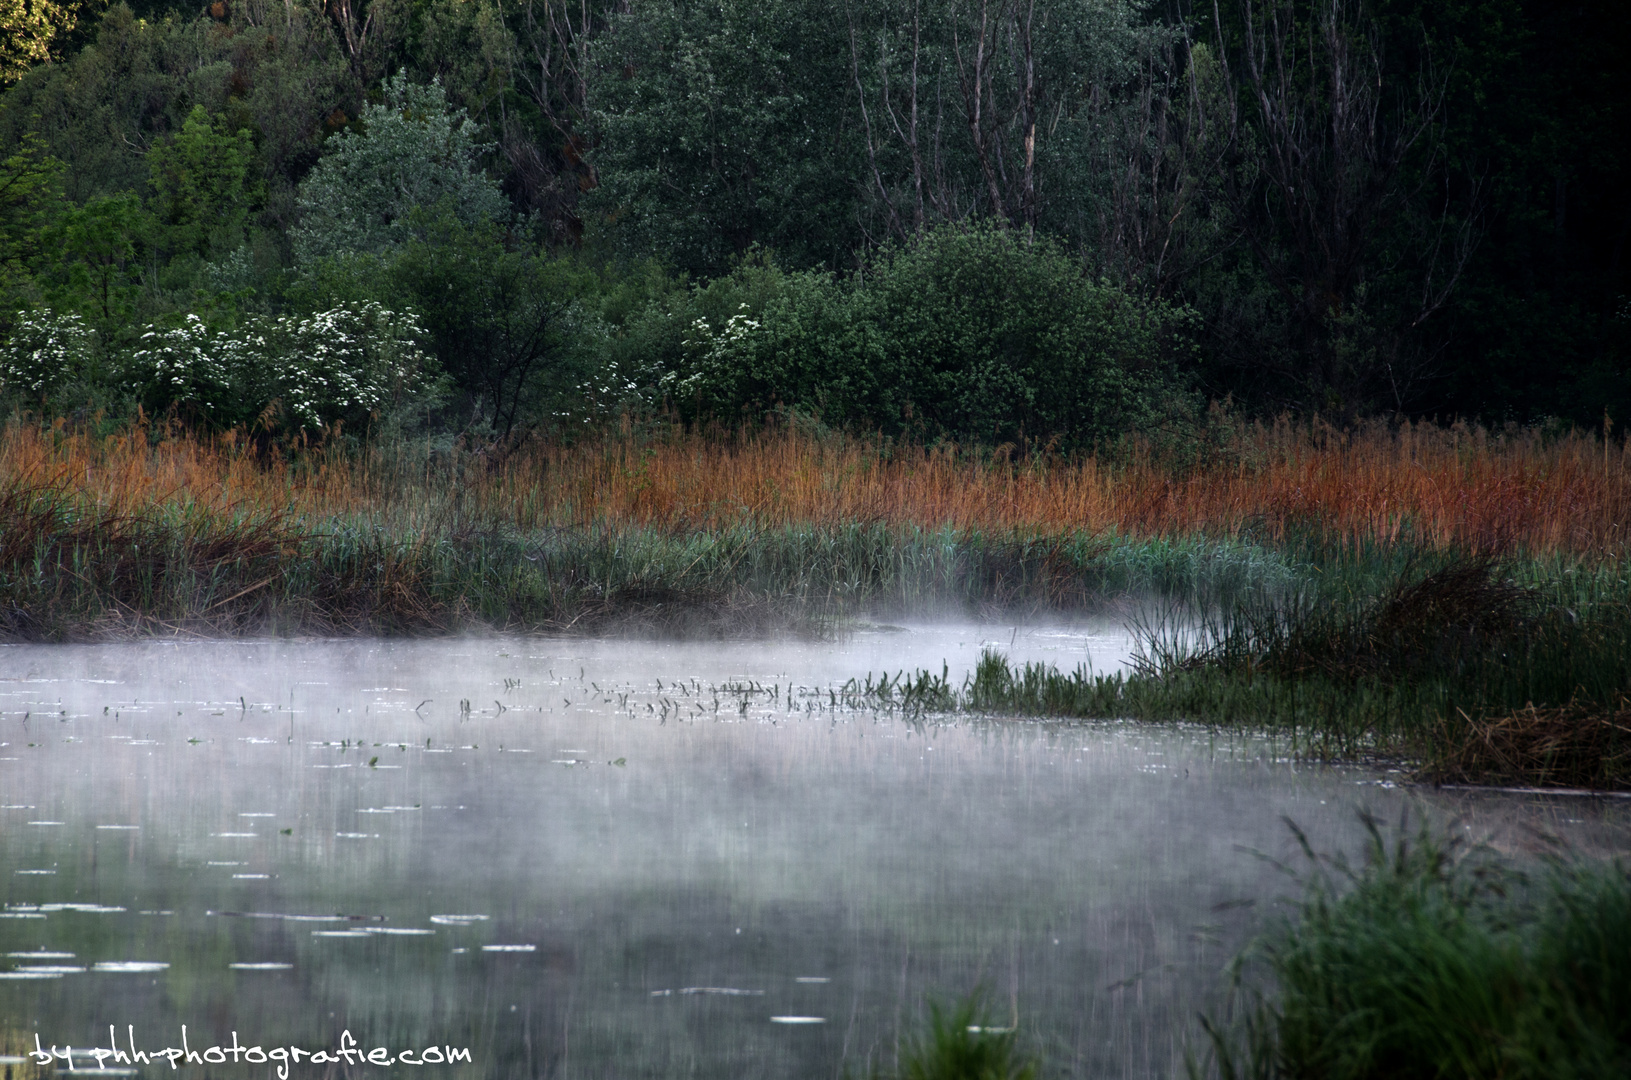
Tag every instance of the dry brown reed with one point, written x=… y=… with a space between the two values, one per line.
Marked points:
x=1465 y=486
x=1583 y=744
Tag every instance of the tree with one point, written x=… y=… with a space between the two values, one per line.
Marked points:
x=30 y=197
x=28 y=29
x=1327 y=153
x=503 y=319
x=204 y=184
x=721 y=125
x=414 y=152
x=97 y=249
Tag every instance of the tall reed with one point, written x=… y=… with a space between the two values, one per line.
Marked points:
x=1458 y=486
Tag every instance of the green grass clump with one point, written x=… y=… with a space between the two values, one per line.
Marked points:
x=1431 y=961
x=961 y=1045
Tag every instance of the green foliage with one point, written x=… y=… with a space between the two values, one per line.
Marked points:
x=717 y=125
x=414 y=152
x=179 y=162
x=962 y=1045
x=1431 y=961
x=94 y=262
x=30 y=198
x=816 y=130
x=136 y=83
x=204 y=187
x=972 y=332
x=504 y=320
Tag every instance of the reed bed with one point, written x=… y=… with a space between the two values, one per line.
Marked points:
x=132 y=534
x=1463 y=487
x=1444 y=594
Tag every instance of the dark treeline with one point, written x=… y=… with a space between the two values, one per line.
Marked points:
x=990 y=219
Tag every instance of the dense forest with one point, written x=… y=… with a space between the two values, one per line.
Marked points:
x=1035 y=221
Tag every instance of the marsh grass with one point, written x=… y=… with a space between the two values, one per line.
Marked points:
x=1452 y=664
x=73 y=569
x=78 y=559
x=1507 y=492
x=961 y=1044
x=1431 y=959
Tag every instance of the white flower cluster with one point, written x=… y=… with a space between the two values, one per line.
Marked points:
x=607 y=391
x=187 y=364
x=340 y=364
x=44 y=351
x=715 y=356
x=353 y=360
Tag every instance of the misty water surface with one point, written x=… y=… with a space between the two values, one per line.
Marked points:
x=610 y=858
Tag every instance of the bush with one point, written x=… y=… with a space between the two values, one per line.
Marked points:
x=343 y=365
x=971 y=332
x=46 y=351
x=186 y=369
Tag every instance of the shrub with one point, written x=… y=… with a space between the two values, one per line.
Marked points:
x=345 y=364
x=45 y=352
x=971 y=332
x=185 y=368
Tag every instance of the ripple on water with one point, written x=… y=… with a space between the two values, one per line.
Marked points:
x=457 y=920
x=129 y=967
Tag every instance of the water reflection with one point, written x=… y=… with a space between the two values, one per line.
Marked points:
x=616 y=858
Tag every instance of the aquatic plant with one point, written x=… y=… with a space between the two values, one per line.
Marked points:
x=1451 y=664
x=1430 y=959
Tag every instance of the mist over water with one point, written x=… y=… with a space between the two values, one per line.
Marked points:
x=598 y=858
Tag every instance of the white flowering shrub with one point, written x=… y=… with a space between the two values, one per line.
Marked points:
x=344 y=364
x=184 y=366
x=45 y=351
x=608 y=390
x=714 y=359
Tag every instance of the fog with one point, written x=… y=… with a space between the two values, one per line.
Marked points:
x=562 y=853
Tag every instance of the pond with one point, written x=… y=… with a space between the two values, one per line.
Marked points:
x=599 y=858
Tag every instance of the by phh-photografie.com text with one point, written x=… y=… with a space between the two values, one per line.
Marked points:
x=114 y=1056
